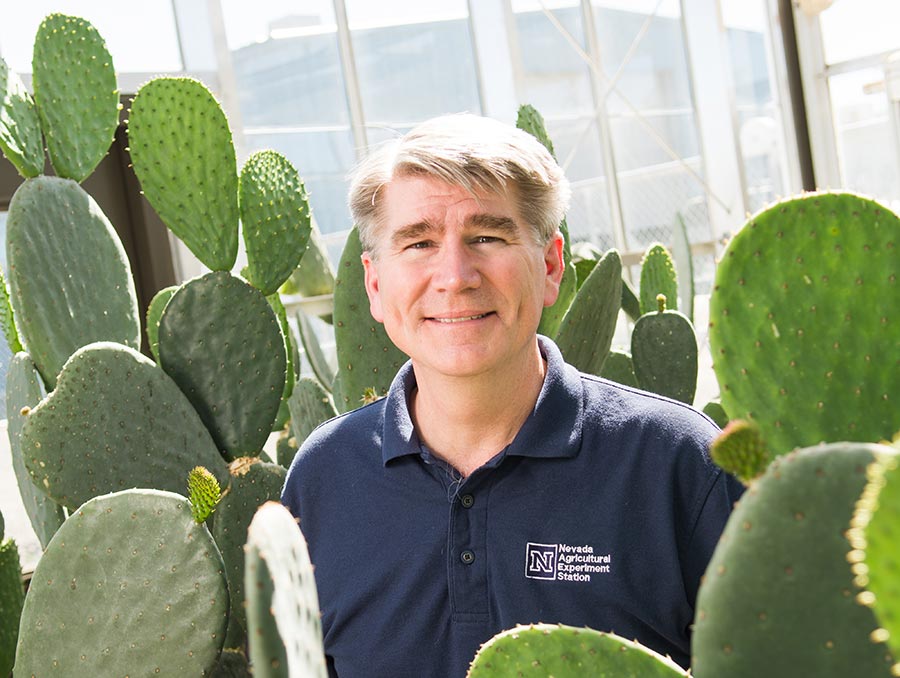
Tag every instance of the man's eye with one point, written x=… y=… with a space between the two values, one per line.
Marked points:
x=421 y=245
x=482 y=239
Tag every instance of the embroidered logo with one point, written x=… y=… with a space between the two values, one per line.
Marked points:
x=562 y=562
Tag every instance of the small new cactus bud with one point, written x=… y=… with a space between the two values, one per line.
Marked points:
x=203 y=492
x=660 y=302
x=741 y=451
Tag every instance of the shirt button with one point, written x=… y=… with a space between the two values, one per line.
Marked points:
x=467 y=500
x=467 y=557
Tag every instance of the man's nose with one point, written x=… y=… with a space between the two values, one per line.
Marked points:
x=456 y=268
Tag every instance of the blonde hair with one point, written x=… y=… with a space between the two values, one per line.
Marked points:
x=475 y=153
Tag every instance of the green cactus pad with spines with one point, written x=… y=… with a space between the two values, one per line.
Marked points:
x=321 y=368
x=130 y=585
x=530 y=120
x=203 y=493
x=69 y=277
x=231 y=366
x=75 y=91
x=154 y=312
x=366 y=356
x=585 y=256
x=284 y=625
x=274 y=218
x=12 y=597
x=23 y=393
x=20 y=125
x=741 y=451
x=542 y=650
x=665 y=355
x=7 y=319
x=183 y=155
x=875 y=539
x=803 y=321
x=587 y=329
x=658 y=276
x=778 y=597
x=619 y=368
x=291 y=355
x=714 y=410
x=115 y=421
x=310 y=405
x=252 y=484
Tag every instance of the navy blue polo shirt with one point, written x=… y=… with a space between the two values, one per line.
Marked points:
x=603 y=512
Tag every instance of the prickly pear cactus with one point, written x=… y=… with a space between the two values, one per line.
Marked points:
x=63 y=256
x=7 y=320
x=12 y=597
x=130 y=585
x=75 y=92
x=154 y=312
x=274 y=218
x=253 y=483
x=778 y=598
x=658 y=276
x=741 y=451
x=23 y=393
x=314 y=274
x=619 y=367
x=321 y=367
x=665 y=355
x=20 y=125
x=367 y=358
x=542 y=650
x=237 y=349
x=183 y=155
x=203 y=493
x=310 y=405
x=876 y=554
x=115 y=421
x=587 y=329
x=714 y=410
x=803 y=321
x=284 y=628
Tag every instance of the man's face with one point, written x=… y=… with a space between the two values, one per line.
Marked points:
x=459 y=283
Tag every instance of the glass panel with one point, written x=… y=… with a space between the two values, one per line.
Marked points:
x=142 y=39
x=860 y=28
x=760 y=128
x=292 y=95
x=867 y=144
x=556 y=80
x=653 y=124
x=414 y=60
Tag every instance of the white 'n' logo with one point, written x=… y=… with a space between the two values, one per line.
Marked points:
x=540 y=561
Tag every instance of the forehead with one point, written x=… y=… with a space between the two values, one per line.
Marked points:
x=410 y=198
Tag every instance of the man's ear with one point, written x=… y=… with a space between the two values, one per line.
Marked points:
x=372 y=287
x=553 y=260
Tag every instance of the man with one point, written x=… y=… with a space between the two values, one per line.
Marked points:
x=494 y=485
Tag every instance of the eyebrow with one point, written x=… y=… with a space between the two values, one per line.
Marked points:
x=414 y=231
x=493 y=222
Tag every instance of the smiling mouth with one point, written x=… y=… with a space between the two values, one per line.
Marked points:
x=461 y=318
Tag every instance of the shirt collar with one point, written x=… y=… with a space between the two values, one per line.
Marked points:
x=553 y=429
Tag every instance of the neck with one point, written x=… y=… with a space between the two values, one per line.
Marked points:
x=467 y=420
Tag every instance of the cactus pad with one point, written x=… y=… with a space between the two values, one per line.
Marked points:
x=803 y=321
x=23 y=392
x=741 y=451
x=587 y=329
x=20 y=126
x=7 y=320
x=130 y=585
x=665 y=355
x=285 y=631
x=874 y=538
x=542 y=650
x=75 y=92
x=619 y=367
x=314 y=274
x=274 y=217
x=183 y=155
x=115 y=421
x=778 y=598
x=367 y=358
x=12 y=597
x=154 y=312
x=658 y=276
x=231 y=366
x=203 y=493
x=252 y=484
x=64 y=255
x=310 y=406
x=320 y=365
